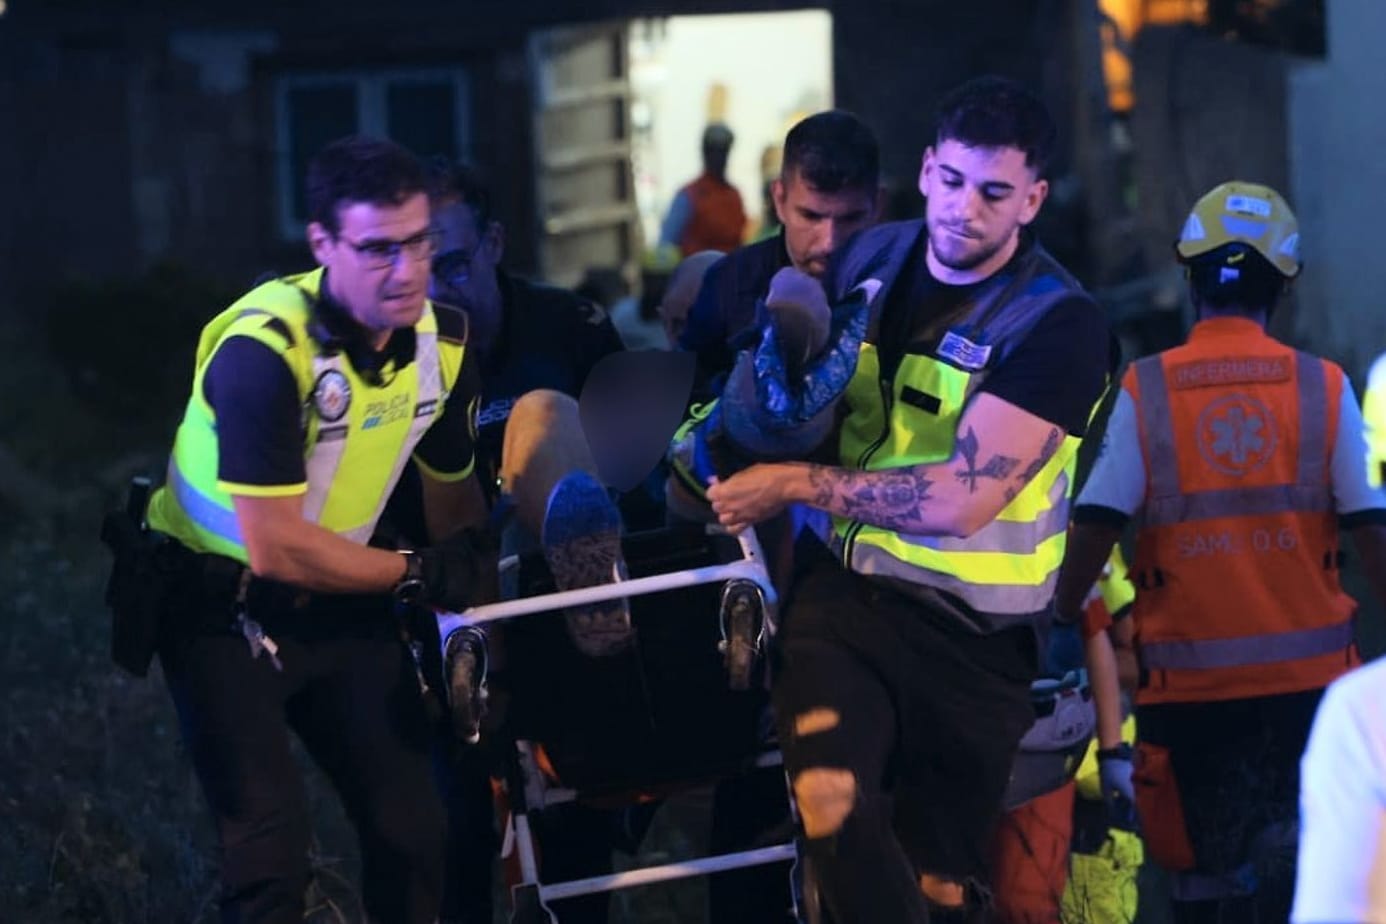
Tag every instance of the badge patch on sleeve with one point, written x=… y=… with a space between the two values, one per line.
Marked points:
x=963 y=353
x=332 y=395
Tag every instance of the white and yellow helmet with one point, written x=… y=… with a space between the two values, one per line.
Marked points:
x=1246 y=213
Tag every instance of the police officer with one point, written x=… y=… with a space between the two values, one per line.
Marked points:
x=908 y=649
x=1239 y=458
x=309 y=394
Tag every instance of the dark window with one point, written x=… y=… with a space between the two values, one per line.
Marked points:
x=423 y=117
x=424 y=110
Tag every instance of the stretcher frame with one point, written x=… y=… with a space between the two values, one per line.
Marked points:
x=529 y=895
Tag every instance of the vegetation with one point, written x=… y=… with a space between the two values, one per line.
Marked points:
x=101 y=818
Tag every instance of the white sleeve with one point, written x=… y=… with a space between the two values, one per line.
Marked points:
x=1342 y=837
x=1117 y=480
x=1351 y=492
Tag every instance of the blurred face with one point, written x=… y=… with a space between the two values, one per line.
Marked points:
x=816 y=223
x=464 y=271
x=978 y=200
x=377 y=262
x=682 y=292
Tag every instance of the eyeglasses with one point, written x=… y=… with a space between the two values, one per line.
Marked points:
x=383 y=254
x=455 y=267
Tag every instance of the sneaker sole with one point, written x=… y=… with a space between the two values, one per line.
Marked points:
x=582 y=545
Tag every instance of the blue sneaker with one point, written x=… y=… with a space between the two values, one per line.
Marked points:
x=582 y=545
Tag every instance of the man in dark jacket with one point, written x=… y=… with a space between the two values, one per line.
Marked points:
x=827 y=191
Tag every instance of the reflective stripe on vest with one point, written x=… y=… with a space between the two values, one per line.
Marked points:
x=1211 y=654
x=357 y=435
x=326 y=455
x=1020 y=600
x=1255 y=629
x=1009 y=536
x=202 y=510
x=1167 y=505
x=1007 y=570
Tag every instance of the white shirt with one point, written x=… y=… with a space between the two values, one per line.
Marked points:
x=1342 y=838
x=1118 y=476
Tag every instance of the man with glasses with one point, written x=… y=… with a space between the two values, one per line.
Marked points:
x=309 y=394
x=535 y=346
x=527 y=335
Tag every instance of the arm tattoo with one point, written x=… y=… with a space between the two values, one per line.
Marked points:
x=1051 y=445
x=997 y=467
x=896 y=499
x=890 y=499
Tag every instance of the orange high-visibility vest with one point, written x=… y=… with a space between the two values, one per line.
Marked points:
x=1236 y=559
x=718 y=219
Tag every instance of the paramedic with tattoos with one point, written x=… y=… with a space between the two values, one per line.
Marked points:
x=907 y=651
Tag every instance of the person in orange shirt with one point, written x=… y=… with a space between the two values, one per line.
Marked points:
x=1239 y=458
x=707 y=214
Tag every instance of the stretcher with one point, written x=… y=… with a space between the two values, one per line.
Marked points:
x=685 y=705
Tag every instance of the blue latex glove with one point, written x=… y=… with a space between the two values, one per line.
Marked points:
x=1118 y=792
x=1065 y=650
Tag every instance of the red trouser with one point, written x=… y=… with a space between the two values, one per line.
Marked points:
x=1029 y=859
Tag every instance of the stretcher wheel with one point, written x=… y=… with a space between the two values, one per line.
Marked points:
x=742 y=609
x=465 y=663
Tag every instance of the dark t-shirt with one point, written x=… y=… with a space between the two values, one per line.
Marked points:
x=726 y=307
x=260 y=434
x=550 y=338
x=1056 y=373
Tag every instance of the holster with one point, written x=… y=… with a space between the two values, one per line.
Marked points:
x=135 y=591
x=153 y=576
x=1160 y=808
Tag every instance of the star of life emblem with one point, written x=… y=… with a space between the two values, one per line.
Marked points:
x=1237 y=434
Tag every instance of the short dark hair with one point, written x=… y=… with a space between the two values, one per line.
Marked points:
x=717 y=136
x=997 y=112
x=1235 y=274
x=832 y=151
x=450 y=179
x=360 y=169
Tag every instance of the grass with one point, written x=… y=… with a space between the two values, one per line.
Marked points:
x=101 y=818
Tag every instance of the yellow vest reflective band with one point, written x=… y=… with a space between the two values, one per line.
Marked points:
x=1374 y=415
x=1113 y=587
x=1006 y=570
x=356 y=436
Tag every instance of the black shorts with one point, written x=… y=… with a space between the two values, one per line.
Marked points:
x=929 y=714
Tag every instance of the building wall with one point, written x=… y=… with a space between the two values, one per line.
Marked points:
x=146 y=131
x=1207 y=110
x=1337 y=137
x=895 y=59
x=67 y=158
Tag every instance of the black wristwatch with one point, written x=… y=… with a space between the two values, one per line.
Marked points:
x=410 y=587
x=1120 y=752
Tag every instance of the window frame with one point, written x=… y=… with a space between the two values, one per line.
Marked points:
x=372 y=86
